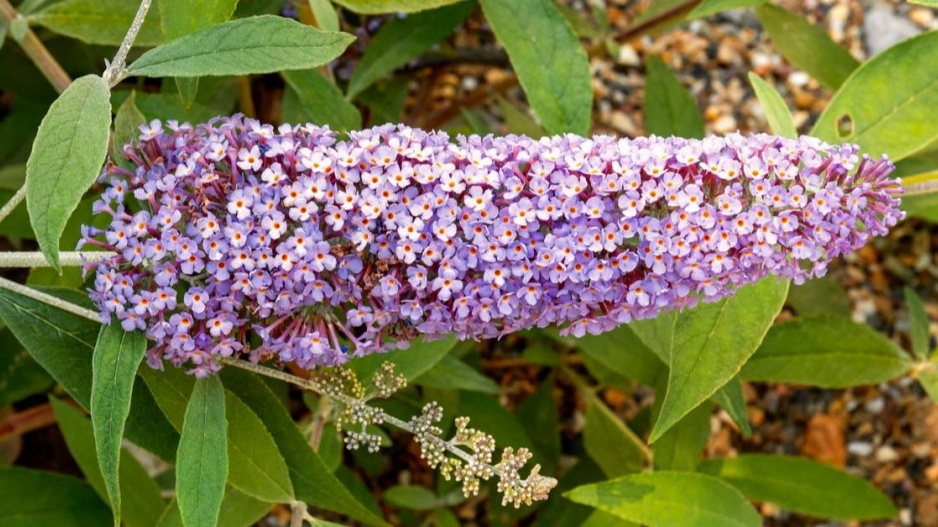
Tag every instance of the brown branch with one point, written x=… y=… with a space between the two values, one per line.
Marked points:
x=36 y=50
x=26 y=421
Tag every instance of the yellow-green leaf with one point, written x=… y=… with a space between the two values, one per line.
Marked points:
x=773 y=106
x=202 y=458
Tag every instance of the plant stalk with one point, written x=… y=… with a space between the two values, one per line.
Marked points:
x=117 y=69
x=36 y=50
x=13 y=259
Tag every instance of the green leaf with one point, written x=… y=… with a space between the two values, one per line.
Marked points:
x=773 y=106
x=66 y=159
x=63 y=344
x=928 y=378
x=918 y=324
x=237 y=510
x=711 y=342
x=604 y=429
x=127 y=124
x=821 y=296
x=670 y=110
x=806 y=46
x=164 y=106
x=263 y=44
x=411 y=362
x=117 y=355
x=98 y=21
x=374 y=7
x=621 y=351
x=550 y=63
x=326 y=16
x=802 y=485
x=20 y=374
x=517 y=121
x=386 y=100
x=312 y=482
x=411 y=497
x=202 y=458
x=539 y=412
x=188 y=88
x=486 y=412
x=826 y=351
x=30 y=498
x=670 y=499
x=142 y=504
x=730 y=398
x=322 y=100
x=929 y=3
x=712 y=7
x=681 y=447
x=884 y=116
x=402 y=39
x=256 y=466
x=452 y=373
x=179 y=18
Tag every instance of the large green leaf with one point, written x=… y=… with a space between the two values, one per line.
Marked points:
x=550 y=62
x=454 y=374
x=237 y=510
x=256 y=468
x=623 y=352
x=669 y=108
x=826 y=351
x=821 y=296
x=603 y=430
x=670 y=499
x=710 y=344
x=202 y=459
x=312 y=481
x=142 y=504
x=63 y=344
x=30 y=498
x=164 y=106
x=806 y=46
x=712 y=7
x=773 y=106
x=373 y=7
x=402 y=39
x=322 y=100
x=539 y=412
x=263 y=44
x=681 y=447
x=117 y=355
x=411 y=362
x=98 y=21
x=802 y=485
x=66 y=159
x=882 y=115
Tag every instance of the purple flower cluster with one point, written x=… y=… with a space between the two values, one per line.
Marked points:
x=235 y=238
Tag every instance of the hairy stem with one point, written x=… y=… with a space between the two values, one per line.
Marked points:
x=36 y=51
x=20 y=195
x=36 y=259
x=920 y=184
x=50 y=300
x=117 y=70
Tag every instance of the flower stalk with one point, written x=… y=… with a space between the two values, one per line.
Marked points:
x=35 y=50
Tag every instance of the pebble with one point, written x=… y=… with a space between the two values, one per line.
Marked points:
x=886 y=454
x=860 y=448
x=882 y=28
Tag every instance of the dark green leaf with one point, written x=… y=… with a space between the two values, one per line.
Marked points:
x=884 y=116
x=670 y=110
x=126 y=126
x=256 y=467
x=142 y=504
x=539 y=412
x=730 y=398
x=621 y=351
x=237 y=510
x=712 y=7
x=372 y=7
x=66 y=159
x=550 y=63
x=517 y=121
x=681 y=447
x=488 y=414
x=773 y=106
x=32 y=498
x=403 y=39
x=188 y=88
x=826 y=351
x=918 y=324
x=245 y=46
x=98 y=21
x=670 y=499
x=63 y=344
x=411 y=362
x=164 y=107
x=312 y=481
x=604 y=429
x=452 y=373
x=179 y=18
x=411 y=497
x=117 y=355
x=711 y=342
x=821 y=296
x=386 y=100
x=202 y=459
x=802 y=485
x=322 y=100
x=806 y=46
x=20 y=374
